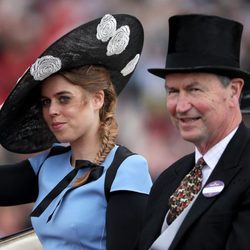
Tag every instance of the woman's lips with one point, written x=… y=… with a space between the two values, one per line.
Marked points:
x=57 y=125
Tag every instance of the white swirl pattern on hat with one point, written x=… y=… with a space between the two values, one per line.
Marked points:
x=130 y=66
x=106 y=28
x=119 y=41
x=45 y=66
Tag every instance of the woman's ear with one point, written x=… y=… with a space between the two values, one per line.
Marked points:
x=98 y=99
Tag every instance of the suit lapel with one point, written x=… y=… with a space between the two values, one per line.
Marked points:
x=163 y=188
x=227 y=167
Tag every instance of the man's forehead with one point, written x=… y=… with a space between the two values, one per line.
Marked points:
x=191 y=76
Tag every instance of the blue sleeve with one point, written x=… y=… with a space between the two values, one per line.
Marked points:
x=37 y=161
x=133 y=175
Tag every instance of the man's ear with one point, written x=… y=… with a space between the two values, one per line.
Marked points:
x=236 y=87
x=98 y=99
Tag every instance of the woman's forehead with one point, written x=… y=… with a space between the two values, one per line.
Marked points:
x=58 y=83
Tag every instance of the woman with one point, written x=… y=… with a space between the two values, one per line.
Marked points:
x=65 y=103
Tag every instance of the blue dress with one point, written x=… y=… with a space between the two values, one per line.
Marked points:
x=78 y=220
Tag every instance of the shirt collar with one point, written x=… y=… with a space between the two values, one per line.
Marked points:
x=213 y=155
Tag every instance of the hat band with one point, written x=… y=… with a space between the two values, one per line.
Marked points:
x=188 y=60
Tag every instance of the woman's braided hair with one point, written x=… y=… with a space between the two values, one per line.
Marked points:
x=93 y=78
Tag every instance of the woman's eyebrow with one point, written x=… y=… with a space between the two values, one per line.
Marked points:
x=59 y=93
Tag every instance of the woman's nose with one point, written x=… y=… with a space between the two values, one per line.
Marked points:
x=54 y=109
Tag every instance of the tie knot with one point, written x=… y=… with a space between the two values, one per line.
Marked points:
x=85 y=164
x=201 y=163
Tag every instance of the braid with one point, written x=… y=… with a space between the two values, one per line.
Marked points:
x=108 y=130
x=94 y=78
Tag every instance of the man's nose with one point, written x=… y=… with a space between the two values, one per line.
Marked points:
x=183 y=103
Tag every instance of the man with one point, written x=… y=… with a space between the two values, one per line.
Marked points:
x=204 y=83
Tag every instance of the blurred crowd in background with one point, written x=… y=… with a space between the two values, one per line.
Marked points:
x=27 y=27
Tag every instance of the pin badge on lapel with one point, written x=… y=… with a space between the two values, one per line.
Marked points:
x=213 y=188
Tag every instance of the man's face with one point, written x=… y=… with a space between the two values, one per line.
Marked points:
x=203 y=110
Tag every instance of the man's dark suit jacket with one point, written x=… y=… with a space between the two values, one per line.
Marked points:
x=216 y=223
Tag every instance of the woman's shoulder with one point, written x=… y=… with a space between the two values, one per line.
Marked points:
x=56 y=150
x=133 y=174
x=129 y=156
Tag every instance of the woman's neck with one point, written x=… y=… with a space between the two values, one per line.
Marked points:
x=85 y=150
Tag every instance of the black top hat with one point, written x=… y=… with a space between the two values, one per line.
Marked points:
x=202 y=43
x=245 y=102
x=114 y=41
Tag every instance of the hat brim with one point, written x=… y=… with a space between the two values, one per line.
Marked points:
x=22 y=128
x=223 y=71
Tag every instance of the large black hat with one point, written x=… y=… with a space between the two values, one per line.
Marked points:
x=202 y=43
x=114 y=41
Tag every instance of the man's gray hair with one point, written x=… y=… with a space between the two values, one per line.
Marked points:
x=225 y=80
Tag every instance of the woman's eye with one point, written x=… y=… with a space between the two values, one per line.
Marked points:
x=64 y=99
x=45 y=102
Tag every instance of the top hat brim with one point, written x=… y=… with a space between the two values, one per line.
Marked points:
x=223 y=71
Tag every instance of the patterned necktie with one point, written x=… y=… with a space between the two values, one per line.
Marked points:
x=184 y=194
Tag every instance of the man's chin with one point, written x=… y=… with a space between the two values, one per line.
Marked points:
x=188 y=136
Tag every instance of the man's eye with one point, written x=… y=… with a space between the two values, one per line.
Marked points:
x=171 y=91
x=195 y=89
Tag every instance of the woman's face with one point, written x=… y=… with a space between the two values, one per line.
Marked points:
x=71 y=113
